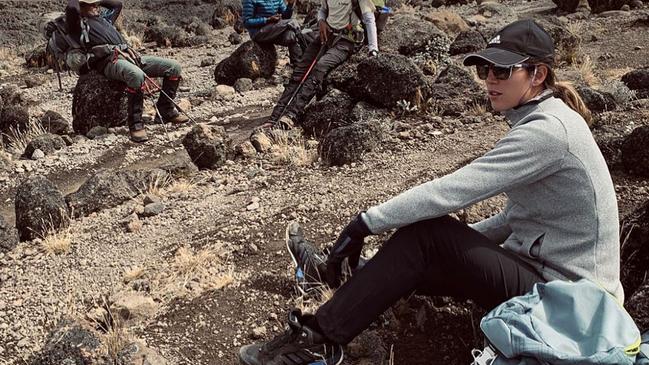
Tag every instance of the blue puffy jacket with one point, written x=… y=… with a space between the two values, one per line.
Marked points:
x=257 y=12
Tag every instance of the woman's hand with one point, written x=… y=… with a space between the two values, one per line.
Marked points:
x=348 y=245
x=325 y=29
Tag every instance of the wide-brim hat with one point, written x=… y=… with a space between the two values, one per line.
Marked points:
x=89 y=1
x=514 y=44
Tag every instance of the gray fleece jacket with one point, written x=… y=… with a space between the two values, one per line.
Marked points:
x=561 y=214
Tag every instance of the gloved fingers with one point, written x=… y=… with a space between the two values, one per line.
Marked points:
x=334 y=273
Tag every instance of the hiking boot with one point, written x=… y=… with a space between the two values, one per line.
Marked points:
x=134 y=119
x=299 y=345
x=310 y=263
x=173 y=117
x=138 y=133
x=165 y=105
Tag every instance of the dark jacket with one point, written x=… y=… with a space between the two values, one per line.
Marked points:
x=100 y=30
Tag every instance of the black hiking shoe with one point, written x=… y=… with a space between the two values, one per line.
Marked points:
x=310 y=263
x=299 y=345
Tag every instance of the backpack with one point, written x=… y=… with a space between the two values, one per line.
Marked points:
x=64 y=48
x=562 y=323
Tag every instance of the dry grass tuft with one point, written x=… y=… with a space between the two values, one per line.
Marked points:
x=115 y=339
x=188 y=263
x=476 y=109
x=18 y=139
x=133 y=274
x=57 y=242
x=223 y=280
x=292 y=150
x=586 y=69
x=180 y=186
x=157 y=185
x=310 y=303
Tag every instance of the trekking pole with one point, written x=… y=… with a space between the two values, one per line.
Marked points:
x=150 y=80
x=58 y=74
x=170 y=99
x=306 y=74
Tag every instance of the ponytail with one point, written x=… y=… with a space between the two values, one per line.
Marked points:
x=566 y=92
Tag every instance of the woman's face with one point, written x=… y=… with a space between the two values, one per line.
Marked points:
x=520 y=87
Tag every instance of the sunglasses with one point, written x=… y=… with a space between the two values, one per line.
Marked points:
x=500 y=72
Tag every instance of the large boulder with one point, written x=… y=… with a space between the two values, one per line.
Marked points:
x=48 y=143
x=40 y=208
x=98 y=101
x=54 y=123
x=407 y=34
x=70 y=342
x=208 y=146
x=634 y=253
x=467 y=42
x=347 y=144
x=596 y=6
x=596 y=101
x=251 y=60
x=333 y=111
x=637 y=304
x=226 y=13
x=635 y=155
x=108 y=189
x=423 y=42
x=13 y=117
x=455 y=90
x=638 y=80
x=8 y=236
x=388 y=79
x=179 y=164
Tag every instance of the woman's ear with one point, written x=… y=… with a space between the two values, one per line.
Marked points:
x=539 y=75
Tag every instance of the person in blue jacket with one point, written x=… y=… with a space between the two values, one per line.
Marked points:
x=269 y=21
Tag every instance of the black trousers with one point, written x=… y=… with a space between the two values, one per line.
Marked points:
x=335 y=54
x=285 y=33
x=436 y=257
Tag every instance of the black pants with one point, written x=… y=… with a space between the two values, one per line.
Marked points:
x=284 y=33
x=436 y=257
x=335 y=54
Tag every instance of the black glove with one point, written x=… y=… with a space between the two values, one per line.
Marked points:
x=348 y=245
x=373 y=53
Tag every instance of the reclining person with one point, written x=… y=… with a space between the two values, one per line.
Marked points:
x=107 y=52
x=269 y=21
x=335 y=43
x=560 y=221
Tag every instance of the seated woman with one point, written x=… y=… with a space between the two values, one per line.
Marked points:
x=269 y=21
x=560 y=221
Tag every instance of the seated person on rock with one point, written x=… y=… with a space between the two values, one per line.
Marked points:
x=109 y=54
x=269 y=21
x=339 y=28
x=560 y=220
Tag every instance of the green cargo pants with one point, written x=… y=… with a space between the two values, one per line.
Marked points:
x=134 y=76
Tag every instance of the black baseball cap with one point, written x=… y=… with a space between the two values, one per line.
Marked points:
x=514 y=44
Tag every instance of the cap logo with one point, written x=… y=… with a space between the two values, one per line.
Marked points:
x=496 y=40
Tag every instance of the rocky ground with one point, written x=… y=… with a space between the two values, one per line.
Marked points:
x=178 y=266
